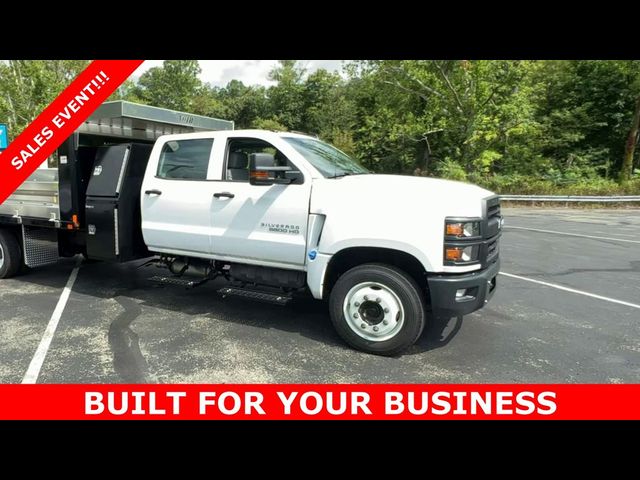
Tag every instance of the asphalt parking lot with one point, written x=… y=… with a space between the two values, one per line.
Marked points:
x=581 y=324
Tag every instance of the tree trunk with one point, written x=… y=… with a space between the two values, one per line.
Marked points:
x=627 y=162
x=426 y=155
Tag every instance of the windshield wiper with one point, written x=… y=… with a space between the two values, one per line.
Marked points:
x=344 y=174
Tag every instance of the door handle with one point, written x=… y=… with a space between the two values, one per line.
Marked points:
x=224 y=194
x=153 y=192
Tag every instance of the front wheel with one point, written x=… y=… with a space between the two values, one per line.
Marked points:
x=378 y=309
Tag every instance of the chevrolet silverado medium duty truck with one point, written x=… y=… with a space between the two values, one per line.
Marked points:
x=273 y=213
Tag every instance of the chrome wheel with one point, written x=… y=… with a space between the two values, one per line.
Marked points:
x=373 y=311
x=1 y=256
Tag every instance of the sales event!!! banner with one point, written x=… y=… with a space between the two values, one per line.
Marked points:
x=319 y=402
x=60 y=119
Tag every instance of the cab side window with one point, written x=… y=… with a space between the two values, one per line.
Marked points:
x=237 y=162
x=185 y=159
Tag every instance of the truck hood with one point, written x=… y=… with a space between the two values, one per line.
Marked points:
x=414 y=195
x=393 y=212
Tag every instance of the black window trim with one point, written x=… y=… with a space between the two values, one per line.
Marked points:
x=157 y=176
x=226 y=160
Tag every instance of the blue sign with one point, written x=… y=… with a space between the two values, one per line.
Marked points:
x=4 y=137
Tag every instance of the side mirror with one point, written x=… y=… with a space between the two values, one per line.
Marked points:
x=263 y=171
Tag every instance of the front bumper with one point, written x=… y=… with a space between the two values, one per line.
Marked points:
x=479 y=287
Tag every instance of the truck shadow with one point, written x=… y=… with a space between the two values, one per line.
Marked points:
x=438 y=332
x=170 y=312
x=128 y=361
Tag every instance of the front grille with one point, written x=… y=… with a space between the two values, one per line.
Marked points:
x=492 y=247
x=493 y=211
x=492 y=217
x=492 y=252
x=491 y=230
x=493 y=207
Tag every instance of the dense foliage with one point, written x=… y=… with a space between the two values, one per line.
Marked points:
x=514 y=126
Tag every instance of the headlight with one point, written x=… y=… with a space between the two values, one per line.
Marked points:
x=462 y=240
x=462 y=229
x=461 y=254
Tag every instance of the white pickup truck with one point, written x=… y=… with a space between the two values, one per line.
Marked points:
x=280 y=213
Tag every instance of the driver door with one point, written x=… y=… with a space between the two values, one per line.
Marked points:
x=259 y=224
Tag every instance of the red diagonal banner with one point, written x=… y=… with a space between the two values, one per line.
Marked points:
x=59 y=120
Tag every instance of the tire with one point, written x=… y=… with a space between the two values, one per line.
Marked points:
x=10 y=255
x=378 y=309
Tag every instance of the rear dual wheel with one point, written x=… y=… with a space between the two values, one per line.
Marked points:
x=378 y=309
x=10 y=254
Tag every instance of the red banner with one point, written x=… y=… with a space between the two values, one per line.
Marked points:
x=59 y=120
x=320 y=402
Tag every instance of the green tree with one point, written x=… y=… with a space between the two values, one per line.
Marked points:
x=127 y=91
x=423 y=113
x=632 y=139
x=586 y=110
x=507 y=124
x=244 y=104
x=286 y=97
x=327 y=109
x=268 y=124
x=626 y=169
x=27 y=87
x=175 y=85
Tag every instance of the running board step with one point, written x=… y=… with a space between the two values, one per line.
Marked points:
x=180 y=282
x=281 y=299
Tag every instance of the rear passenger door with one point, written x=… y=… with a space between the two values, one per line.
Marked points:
x=177 y=196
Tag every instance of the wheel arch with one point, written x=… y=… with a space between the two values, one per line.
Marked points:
x=351 y=257
x=16 y=231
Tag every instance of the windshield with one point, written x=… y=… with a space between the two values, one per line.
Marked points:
x=328 y=160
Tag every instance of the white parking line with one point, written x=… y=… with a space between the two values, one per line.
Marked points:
x=572 y=234
x=38 y=359
x=571 y=290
